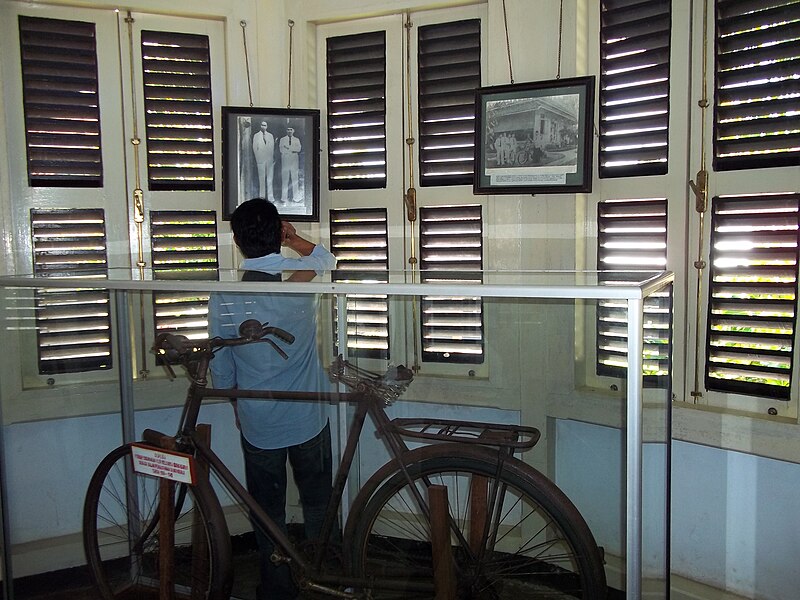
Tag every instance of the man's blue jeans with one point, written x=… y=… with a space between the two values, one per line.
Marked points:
x=265 y=471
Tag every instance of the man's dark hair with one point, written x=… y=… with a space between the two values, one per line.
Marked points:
x=256 y=228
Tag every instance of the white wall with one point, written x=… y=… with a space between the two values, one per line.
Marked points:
x=734 y=518
x=735 y=523
x=48 y=467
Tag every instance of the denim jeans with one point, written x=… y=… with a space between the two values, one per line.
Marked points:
x=265 y=471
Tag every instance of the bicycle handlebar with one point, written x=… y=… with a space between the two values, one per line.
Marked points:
x=175 y=348
x=253 y=331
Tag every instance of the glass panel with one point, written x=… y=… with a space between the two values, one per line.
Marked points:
x=533 y=395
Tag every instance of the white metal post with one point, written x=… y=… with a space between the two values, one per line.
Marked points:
x=341 y=344
x=633 y=557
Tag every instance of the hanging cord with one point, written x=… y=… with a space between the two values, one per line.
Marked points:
x=289 y=76
x=410 y=197
x=243 y=25
x=700 y=189
x=138 y=196
x=560 y=36
x=508 y=43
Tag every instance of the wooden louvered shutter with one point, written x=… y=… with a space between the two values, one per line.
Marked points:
x=634 y=87
x=60 y=100
x=753 y=294
x=184 y=246
x=757 y=84
x=73 y=325
x=451 y=250
x=178 y=112
x=356 y=81
x=449 y=72
x=360 y=242
x=632 y=236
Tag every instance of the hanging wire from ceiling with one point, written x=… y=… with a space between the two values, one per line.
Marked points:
x=243 y=25
x=289 y=74
x=560 y=36
x=560 y=40
x=508 y=43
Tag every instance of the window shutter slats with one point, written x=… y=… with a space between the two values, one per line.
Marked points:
x=750 y=15
x=632 y=235
x=360 y=242
x=626 y=78
x=646 y=20
x=753 y=294
x=638 y=161
x=628 y=113
x=757 y=84
x=449 y=72
x=639 y=141
x=758 y=128
x=60 y=102
x=178 y=111
x=634 y=88
x=73 y=326
x=369 y=124
x=442 y=111
x=777 y=142
x=633 y=43
x=754 y=57
x=451 y=249
x=356 y=82
x=183 y=246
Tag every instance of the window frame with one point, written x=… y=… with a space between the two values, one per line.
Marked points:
x=428 y=73
x=29 y=394
x=741 y=91
x=63 y=149
x=752 y=181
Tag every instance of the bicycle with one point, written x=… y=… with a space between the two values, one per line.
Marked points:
x=458 y=517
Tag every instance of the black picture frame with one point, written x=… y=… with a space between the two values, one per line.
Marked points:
x=294 y=160
x=534 y=138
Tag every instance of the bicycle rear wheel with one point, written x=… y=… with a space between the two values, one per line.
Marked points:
x=121 y=528
x=511 y=537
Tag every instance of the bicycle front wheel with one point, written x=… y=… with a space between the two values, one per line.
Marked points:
x=122 y=533
x=512 y=536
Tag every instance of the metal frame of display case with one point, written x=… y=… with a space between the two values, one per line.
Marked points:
x=567 y=285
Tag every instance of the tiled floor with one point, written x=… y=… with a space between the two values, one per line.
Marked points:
x=75 y=584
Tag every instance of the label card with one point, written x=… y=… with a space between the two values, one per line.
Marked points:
x=166 y=464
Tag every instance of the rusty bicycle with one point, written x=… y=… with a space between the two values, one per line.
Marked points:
x=459 y=516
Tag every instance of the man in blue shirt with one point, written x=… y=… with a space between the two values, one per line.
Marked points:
x=273 y=430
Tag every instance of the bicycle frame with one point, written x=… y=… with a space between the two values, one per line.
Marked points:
x=505 y=438
x=188 y=438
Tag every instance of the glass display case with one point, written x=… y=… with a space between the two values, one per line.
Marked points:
x=575 y=364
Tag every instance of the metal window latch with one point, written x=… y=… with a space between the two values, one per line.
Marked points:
x=700 y=190
x=138 y=206
x=410 y=200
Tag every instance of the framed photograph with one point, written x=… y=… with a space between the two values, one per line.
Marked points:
x=534 y=138
x=271 y=153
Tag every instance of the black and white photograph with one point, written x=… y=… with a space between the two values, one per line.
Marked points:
x=534 y=137
x=271 y=153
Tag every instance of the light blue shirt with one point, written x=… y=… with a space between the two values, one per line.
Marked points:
x=273 y=424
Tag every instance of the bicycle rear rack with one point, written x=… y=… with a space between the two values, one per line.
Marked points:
x=516 y=437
